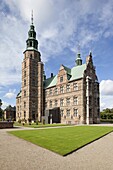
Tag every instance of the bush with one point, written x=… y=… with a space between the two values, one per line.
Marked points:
x=36 y=122
x=43 y=121
x=19 y=121
x=106 y=115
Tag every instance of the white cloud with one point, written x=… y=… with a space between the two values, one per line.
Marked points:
x=11 y=94
x=4 y=104
x=106 y=94
x=106 y=87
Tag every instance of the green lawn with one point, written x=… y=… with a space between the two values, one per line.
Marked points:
x=63 y=140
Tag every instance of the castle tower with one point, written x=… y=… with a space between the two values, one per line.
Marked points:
x=32 y=79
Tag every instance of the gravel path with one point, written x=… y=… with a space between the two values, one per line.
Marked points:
x=17 y=154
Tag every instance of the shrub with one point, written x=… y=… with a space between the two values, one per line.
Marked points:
x=19 y=121
x=36 y=122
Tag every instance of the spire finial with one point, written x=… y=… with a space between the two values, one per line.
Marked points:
x=90 y=53
x=32 y=17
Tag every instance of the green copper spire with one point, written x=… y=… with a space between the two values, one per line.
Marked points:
x=31 y=42
x=78 y=59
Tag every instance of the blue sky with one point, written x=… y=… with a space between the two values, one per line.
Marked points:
x=60 y=27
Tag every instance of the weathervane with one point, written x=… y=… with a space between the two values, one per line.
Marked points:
x=32 y=17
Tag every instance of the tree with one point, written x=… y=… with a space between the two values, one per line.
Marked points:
x=1 y=111
x=0 y=103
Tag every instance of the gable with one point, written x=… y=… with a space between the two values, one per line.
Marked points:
x=75 y=73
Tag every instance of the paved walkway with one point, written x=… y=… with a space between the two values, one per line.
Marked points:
x=17 y=154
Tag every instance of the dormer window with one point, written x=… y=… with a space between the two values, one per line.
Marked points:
x=61 y=79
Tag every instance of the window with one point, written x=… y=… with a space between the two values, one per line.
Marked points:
x=33 y=103
x=90 y=100
x=24 y=114
x=24 y=73
x=30 y=43
x=50 y=91
x=24 y=104
x=68 y=113
x=68 y=88
x=98 y=112
x=30 y=55
x=75 y=112
x=90 y=86
x=18 y=114
x=75 y=100
x=33 y=72
x=61 y=89
x=45 y=93
x=50 y=104
x=61 y=102
x=62 y=113
x=18 y=108
x=34 y=93
x=68 y=101
x=90 y=112
x=33 y=82
x=56 y=102
x=75 y=86
x=61 y=79
x=24 y=82
x=56 y=91
x=33 y=115
x=45 y=104
x=24 y=64
x=24 y=93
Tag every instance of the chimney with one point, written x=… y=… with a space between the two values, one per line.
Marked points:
x=51 y=74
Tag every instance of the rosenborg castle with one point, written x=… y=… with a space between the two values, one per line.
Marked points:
x=70 y=96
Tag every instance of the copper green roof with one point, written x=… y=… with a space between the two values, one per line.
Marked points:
x=67 y=69
x=19 y=94
x=75 y=73
x=50 y=82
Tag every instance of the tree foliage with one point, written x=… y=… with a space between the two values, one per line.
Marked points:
x=1 y=111
x=107 y=114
